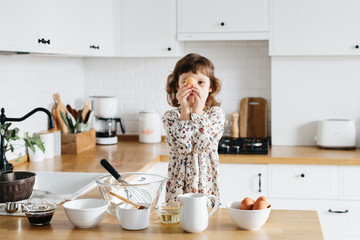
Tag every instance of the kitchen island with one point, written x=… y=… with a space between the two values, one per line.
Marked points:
x=282 y=224
x=133 y=156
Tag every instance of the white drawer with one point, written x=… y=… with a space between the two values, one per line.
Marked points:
x=349 y=178
x=303 y=181
x=343 y=220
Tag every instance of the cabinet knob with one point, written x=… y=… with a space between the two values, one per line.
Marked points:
x=222 y=24
x=302 y=175
x=357 y=46
x=169 y=49
x=48 y=41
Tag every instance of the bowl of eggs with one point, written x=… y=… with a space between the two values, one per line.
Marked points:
x=249 y=214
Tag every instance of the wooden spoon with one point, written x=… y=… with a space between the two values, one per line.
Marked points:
x=128 y=201
x=71 y=111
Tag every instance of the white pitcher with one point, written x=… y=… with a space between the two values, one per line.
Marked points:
x=194 y=216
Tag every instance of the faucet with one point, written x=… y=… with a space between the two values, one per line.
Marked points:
x=5 y=166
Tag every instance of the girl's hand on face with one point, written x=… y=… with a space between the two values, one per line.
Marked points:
x=183 y=96
x=200 y=99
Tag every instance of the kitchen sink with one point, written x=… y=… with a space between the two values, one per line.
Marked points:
x=65 y=185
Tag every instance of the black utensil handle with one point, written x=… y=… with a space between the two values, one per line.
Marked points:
x=87 y=117
x=110 y=168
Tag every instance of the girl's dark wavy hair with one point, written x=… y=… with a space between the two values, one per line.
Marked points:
x=195 y=63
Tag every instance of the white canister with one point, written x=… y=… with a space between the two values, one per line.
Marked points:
x=149 y=127
x=48 y=140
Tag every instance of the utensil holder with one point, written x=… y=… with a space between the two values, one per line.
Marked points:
x=79 y=142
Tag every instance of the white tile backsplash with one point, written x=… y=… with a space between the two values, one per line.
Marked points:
x=29 y=81
x=139 y=83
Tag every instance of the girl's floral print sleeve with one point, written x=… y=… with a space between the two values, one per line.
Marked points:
x=178 y=132
x=208 y=129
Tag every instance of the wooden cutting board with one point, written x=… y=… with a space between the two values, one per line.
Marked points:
x=253 y=117
x=60 y=107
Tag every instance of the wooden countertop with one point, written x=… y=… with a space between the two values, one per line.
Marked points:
x=298 y=155
x=133 y=156
x=282 y=224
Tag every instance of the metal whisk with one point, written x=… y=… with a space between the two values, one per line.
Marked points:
x=133 y=193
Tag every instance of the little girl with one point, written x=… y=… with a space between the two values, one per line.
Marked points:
x=193 y=128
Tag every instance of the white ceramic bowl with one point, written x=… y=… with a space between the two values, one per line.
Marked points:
x=85 y=213
x=247 y=219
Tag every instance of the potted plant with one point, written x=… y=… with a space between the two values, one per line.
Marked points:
x=35 y=147
x=10 y=135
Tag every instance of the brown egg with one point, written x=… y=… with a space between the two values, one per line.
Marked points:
x=263 y=198
x=261 y=205
x=247 y=204
x=190 y=81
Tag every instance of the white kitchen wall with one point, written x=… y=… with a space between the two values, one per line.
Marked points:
x=139 y=83
x=308 y=89
x=29 y=81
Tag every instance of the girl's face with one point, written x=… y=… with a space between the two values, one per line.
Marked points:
x=202 y=80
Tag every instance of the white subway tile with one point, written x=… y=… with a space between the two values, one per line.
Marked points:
x=125 y=73
x=133 y=84
x=113 y=83
x=145 y=94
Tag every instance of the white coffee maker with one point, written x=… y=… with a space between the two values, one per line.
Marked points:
x=105 y=109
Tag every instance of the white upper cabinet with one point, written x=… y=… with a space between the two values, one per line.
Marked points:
x=308 y=27
x=147 y=29
x=223 y=20
x=59 y=26
x=96 y=28
x=25 y=26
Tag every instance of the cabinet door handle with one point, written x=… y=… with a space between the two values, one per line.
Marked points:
x=44 y=41
x=346 y=211
x=169 y=49
x=302 y=175
x=259 y=182
x=94 y=47
x=222 y=24
x=357 y=46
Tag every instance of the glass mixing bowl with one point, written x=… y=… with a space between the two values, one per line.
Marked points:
x=141 y=188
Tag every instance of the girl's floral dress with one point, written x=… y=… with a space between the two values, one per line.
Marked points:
x=193 y=144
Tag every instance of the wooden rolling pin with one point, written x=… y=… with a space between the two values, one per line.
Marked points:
x=234 y=125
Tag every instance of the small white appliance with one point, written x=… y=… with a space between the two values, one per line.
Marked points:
x=105 y=108
x=336 y=133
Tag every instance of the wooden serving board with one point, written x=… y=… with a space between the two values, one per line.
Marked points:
x=253 y=117
x=60 y=107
